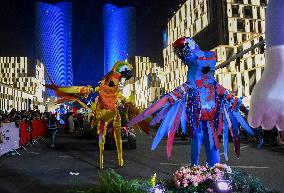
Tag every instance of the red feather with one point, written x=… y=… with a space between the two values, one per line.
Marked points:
x=237 y=146
x=172 y=133
x=144 y=126
x=216 y=139
x=220 y=124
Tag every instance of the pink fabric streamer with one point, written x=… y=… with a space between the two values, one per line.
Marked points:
x=160 y=116
x=150 y=110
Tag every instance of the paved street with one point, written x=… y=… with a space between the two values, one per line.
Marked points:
x=41 y=169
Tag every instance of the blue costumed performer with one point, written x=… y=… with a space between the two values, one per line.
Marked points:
x=201 y=105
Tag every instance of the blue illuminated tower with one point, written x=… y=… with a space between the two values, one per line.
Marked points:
x=54 y=41
x=119 y=34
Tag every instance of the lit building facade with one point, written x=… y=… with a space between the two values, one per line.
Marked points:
x=119 y=34
x=146 y=82
x=54 y=41
x=22 y=83
x=14 y=98
x=227 y=27
x=246 y=25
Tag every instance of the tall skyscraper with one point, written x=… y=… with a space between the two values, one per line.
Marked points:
x=119 y=34
x=54 y=41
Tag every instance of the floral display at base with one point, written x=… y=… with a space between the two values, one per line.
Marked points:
x=202 y=178
x=188 y=179
x=218 y=179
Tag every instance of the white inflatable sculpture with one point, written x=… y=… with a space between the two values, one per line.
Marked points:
x=267 y=102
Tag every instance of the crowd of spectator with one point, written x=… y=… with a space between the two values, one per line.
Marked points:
x=73 y=122
x=17 y=116
x=76 y=121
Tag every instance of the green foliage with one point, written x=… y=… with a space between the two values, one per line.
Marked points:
x=243 y=182
x=111 y=182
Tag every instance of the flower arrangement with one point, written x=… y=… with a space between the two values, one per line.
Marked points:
x=199 y=177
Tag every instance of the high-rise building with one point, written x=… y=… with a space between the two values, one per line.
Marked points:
x=227 y=27
x=22 y=83
x=146 y=82
x=11 y=97
x=54 y=41
x=119 y=34
x=246 y=25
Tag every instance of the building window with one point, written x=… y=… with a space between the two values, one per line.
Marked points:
x=263 y=2
x=239 y=1
x=258 y=13
x=243 y=37
x=202 y=8
x=195 y=14
x=259 y=27
x=245 y=64
x=241 y=25
x=248 y=12
x=235 y=11
x=261 y=49
x=251 y=25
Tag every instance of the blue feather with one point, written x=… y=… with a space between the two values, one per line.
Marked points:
x=243 y=123
x=158 y=115
x=235 y=123
x=210 y=135
x=174 y=115
x=183 y=117
x=166 y=124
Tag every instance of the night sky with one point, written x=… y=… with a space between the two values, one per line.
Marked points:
x=17 y=18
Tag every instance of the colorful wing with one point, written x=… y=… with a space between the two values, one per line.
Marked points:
x=230 y=119
x=165 y=102
x=150 y=110
x=70 y=93
x=173 y=112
